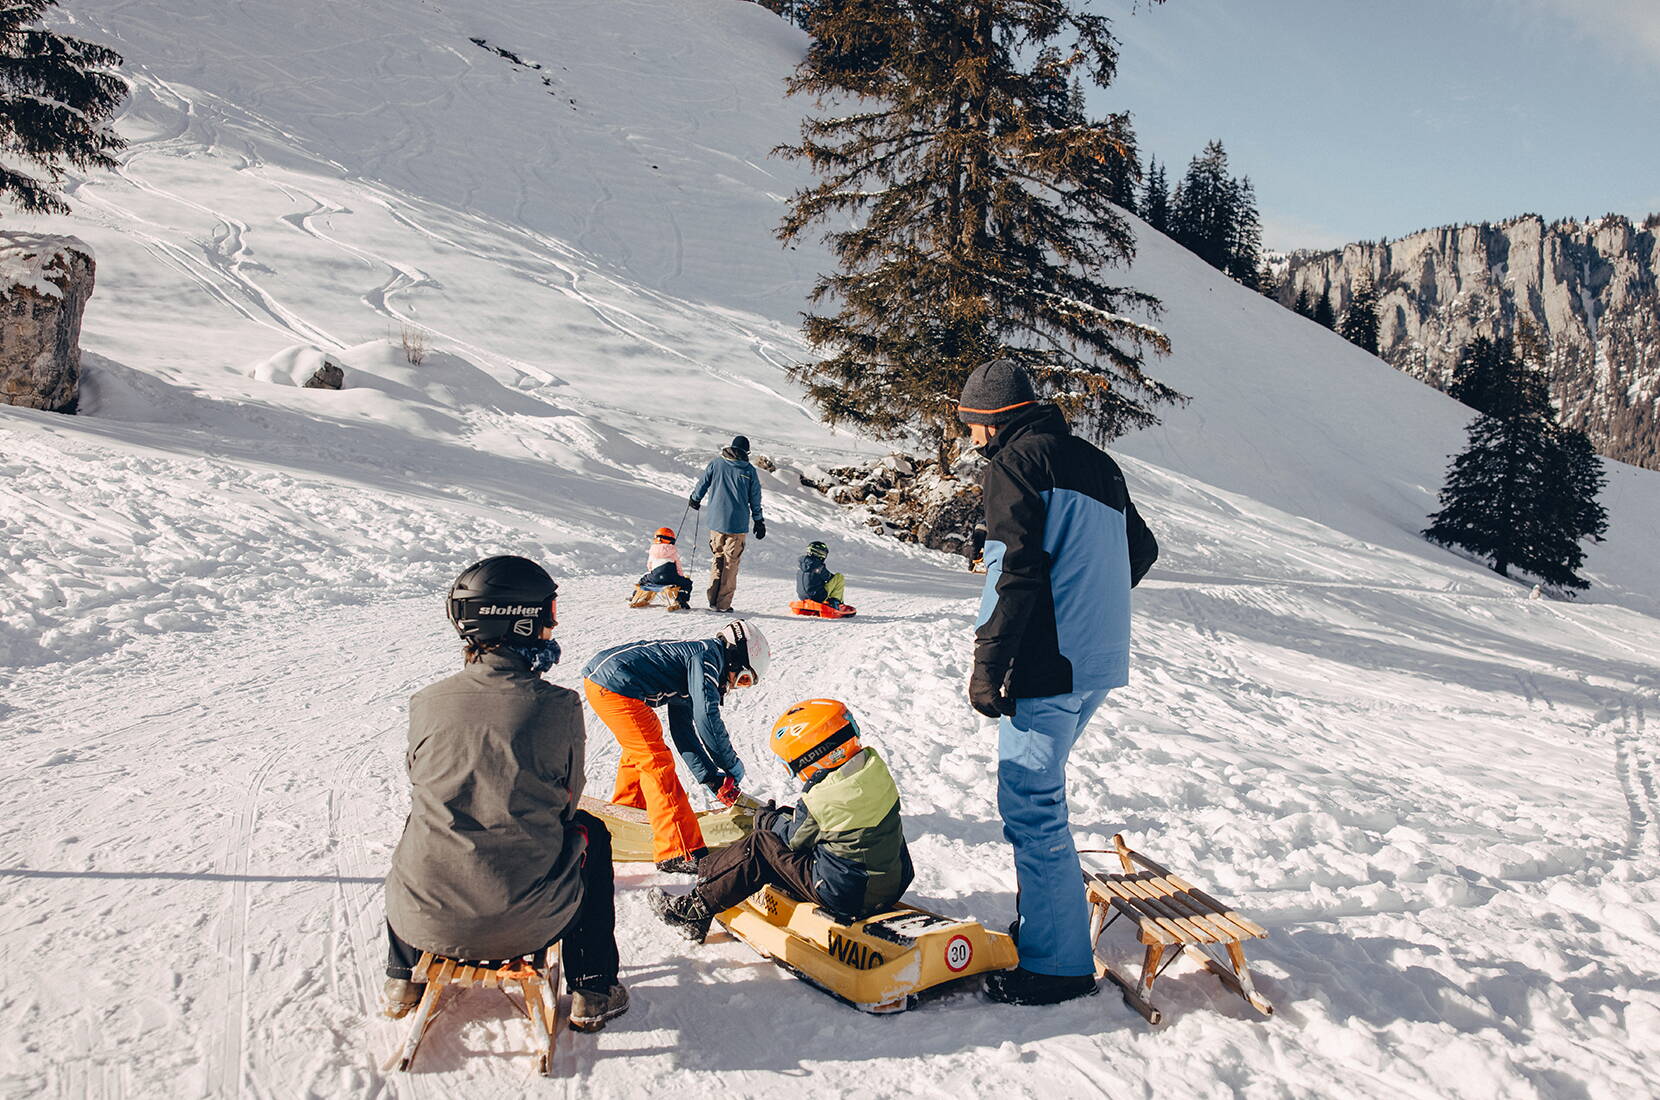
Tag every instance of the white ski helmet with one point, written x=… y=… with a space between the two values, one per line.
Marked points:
x=747 y=653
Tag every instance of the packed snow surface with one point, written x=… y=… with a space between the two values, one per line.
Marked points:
x=218 y=590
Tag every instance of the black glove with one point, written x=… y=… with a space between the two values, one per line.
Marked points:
x=993 y=702
x=760 y=528
x=694 y=504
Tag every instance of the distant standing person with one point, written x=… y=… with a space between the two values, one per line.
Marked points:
x=1064 y=546
x=734 y=491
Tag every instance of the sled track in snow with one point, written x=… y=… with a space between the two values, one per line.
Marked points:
x=1635 y=766
x=231 y=939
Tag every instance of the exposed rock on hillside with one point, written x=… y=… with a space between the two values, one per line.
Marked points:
x=1589 y=288
x=45 y=282
x=912 y=499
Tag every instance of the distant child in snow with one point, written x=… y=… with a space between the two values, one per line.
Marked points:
x=842 y=848
x=663 y=567
x=814 y=581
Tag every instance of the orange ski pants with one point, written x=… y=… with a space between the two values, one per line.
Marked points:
x=646 y=777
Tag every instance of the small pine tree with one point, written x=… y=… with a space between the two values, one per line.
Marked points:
x=1481 y=379
x=57 y=95
x=1244 y=262
x=1268 y=283
x=1360 y=320
x=1203 y=213
x=976 y=212
x=1322 y=313
x=1303 y=307
x=1524 y=492
x=1155 y=197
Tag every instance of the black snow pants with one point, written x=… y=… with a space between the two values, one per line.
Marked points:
x=728 y=876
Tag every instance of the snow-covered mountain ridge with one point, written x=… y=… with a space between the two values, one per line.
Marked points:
x=219 y=590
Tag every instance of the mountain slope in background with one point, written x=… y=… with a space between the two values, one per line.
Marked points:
x=219 y=590
x=1590 y=289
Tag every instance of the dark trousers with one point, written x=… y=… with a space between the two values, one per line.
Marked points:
x=728 y=876
x=589 y=940
x=667 y=574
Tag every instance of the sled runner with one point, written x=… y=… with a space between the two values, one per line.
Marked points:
x=822 y=610
x=878 y=964
x=645 y=593
x=631 y=827
x=1169 y=913
x=538 y=999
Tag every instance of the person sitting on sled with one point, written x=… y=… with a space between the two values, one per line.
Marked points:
x=623 y=685
x=496 y=861
x=663 y=568
x=814 y=581
x=842 y=847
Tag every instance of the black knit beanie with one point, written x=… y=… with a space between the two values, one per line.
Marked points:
x=740 y=443
x=995 y=393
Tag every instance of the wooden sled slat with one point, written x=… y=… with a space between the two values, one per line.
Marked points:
x=538 y=990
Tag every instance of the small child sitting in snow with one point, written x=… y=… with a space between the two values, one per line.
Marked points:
x=663 y=567
x=843 y=848
x=814 y=581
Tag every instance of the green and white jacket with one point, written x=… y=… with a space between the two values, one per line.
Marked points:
x=849 y=819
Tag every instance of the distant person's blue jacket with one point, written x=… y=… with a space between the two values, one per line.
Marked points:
x=687 y=677
x=734 y=491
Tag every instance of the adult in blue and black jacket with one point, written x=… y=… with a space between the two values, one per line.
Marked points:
x=733 y=489
x=1064 y=546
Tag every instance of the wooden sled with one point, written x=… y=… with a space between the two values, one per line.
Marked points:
x=822 y=610
x=645 y=593
x=538 y=990
x=1169 y=913
x=631 y=827
x=879 y=964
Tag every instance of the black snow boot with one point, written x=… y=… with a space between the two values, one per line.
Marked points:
x=1023 y=987
x=682 y=865
x=686 y=914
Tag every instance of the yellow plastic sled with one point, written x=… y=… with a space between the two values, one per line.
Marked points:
x=877 y=965
x=631 y=828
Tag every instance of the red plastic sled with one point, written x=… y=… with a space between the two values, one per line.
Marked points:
x=812 y=608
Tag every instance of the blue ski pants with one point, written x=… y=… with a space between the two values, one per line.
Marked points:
x=1032 y=747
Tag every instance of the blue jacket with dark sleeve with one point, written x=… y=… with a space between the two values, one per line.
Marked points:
x=1064 y=546
x=811 y=575
x=689 y=679
x=734 y=491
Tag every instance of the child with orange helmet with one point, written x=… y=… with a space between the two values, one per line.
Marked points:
x=842 y=847
x=663 y=567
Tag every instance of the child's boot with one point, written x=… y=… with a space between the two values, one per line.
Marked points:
x=687 y=914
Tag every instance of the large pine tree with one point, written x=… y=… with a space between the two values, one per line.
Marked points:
x=56 y=96
x=1360 y=321
x=1524 y=492
x=980 y=214
x=1202 y=217
x=1323 y=313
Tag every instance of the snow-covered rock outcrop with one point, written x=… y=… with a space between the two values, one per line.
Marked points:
x=1591 y=289
x=45 y=282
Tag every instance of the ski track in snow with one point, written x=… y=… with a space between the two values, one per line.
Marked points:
x=218 y=592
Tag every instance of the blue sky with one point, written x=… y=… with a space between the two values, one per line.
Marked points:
x=1360 y=119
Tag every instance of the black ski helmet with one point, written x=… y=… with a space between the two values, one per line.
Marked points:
x=502 y=599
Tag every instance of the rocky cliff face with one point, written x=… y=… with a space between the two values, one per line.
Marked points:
x=1588 y=288
x=44 y=286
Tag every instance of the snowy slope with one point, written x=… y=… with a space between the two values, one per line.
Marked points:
x=217 y=591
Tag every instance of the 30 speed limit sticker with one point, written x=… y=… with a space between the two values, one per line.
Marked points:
x=959 y=953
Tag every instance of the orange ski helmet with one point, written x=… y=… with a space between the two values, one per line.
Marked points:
x=665 y=534
x=815 y=735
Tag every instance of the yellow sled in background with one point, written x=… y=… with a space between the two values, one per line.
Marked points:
x=631 y=828
x=879 y=964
